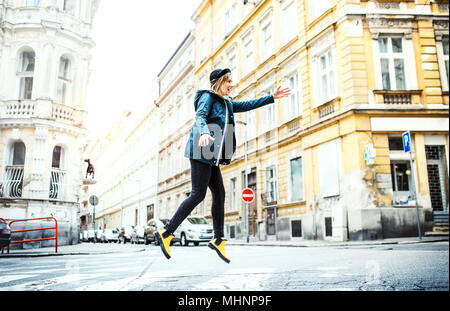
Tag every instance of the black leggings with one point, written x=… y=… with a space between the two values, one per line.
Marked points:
x=202 y=176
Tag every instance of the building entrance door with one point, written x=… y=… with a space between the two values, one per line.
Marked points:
x=438 y=181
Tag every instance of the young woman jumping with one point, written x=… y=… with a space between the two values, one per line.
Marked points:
x=212 y=142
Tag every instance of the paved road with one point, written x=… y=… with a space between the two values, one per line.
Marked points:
x=421 y=266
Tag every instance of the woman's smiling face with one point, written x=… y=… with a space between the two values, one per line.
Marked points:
x=227 y=86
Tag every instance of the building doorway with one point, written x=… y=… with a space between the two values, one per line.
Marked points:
x=438 y=181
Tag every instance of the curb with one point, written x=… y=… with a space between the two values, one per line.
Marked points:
x=31 y=255
x=243 y=243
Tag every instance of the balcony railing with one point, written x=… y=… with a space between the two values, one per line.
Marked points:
x=404 y=97
x=19 y=109
x=23 y=109
x=13 y=182
x=269 y=198
x=57 y=184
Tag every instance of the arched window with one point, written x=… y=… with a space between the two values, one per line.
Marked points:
x=25 y=73
x=64 y=81
x=13 y=180
x=58 y=175
x=69 y=6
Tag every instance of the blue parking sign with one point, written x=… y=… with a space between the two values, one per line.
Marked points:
x=406 y=137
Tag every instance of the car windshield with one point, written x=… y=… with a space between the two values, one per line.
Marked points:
x=198 y=221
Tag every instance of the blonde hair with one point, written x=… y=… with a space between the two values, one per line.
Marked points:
x=216 y=86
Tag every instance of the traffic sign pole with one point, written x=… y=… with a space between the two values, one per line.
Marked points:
x=406 y=137
x=93 y=199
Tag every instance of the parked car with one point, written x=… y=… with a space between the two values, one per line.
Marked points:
x=125 y=234
x=98 y=235
x=194 y=229
x=110 y=235
x=153 y=225
x=138 y=235
x=85 y=236
x=90 y=235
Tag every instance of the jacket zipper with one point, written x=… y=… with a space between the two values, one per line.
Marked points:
x=224 y=134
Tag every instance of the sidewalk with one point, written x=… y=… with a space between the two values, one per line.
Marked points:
x=78 y=249
x=113 y=248
x=329 y=243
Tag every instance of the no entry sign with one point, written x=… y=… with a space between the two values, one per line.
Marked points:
x=248 y=195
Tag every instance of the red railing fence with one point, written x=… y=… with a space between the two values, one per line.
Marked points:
x=35 y=229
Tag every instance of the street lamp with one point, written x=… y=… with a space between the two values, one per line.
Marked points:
x=246 y=177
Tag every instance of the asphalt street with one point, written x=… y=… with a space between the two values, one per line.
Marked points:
x=408 y=267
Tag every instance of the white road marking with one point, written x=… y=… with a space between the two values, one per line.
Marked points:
x=9 y=278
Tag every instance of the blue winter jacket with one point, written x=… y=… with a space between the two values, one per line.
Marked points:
x=211 y=111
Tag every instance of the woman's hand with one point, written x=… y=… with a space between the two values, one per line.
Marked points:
x=204 y=140
x=281 y=93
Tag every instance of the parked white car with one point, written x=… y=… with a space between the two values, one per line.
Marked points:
x=110 y=235
x=194 y=229
x=98 y=235
x=90 y=235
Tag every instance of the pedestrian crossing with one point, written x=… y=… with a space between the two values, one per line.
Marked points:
x=145 y=273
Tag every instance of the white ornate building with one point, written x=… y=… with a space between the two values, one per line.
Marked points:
x=45 y=50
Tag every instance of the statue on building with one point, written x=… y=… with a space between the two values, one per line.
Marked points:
x=90 y=169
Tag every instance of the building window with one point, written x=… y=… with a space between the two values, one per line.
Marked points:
x=64 y=81
x=270 y=113
x=69 y=6
x=392 y=63
x=14 y=172
x=32 y=3
x=249 y=60
x=58 y=175
x=317 y=8
x=401 y=182
x=271 y=194
x=446 y=59
x=289 y=20
x=233 y=65
x=267 y=45
x=202 y=50
x=297 y=184
x=295 y=106
x=233 y=196
x=26 y=74
x=230 y=19
x=443 y=59
x=326 y=76
x=296 y=228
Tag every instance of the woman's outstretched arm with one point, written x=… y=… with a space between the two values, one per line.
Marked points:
x=260 y=102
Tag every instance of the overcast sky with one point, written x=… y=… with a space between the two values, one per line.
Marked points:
x=134 y=40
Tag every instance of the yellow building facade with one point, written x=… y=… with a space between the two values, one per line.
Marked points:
x=328 y=162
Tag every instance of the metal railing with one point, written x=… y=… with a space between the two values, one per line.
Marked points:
x=57 y=184
x=35 y=229
x=13 y=183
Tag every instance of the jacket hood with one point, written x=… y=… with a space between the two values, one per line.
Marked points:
x=199 y=94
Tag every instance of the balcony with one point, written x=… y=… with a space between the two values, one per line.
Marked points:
x=269 y=198
x=13 y=182
x=402 y=98
x=57 y=185
x=28 y=109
